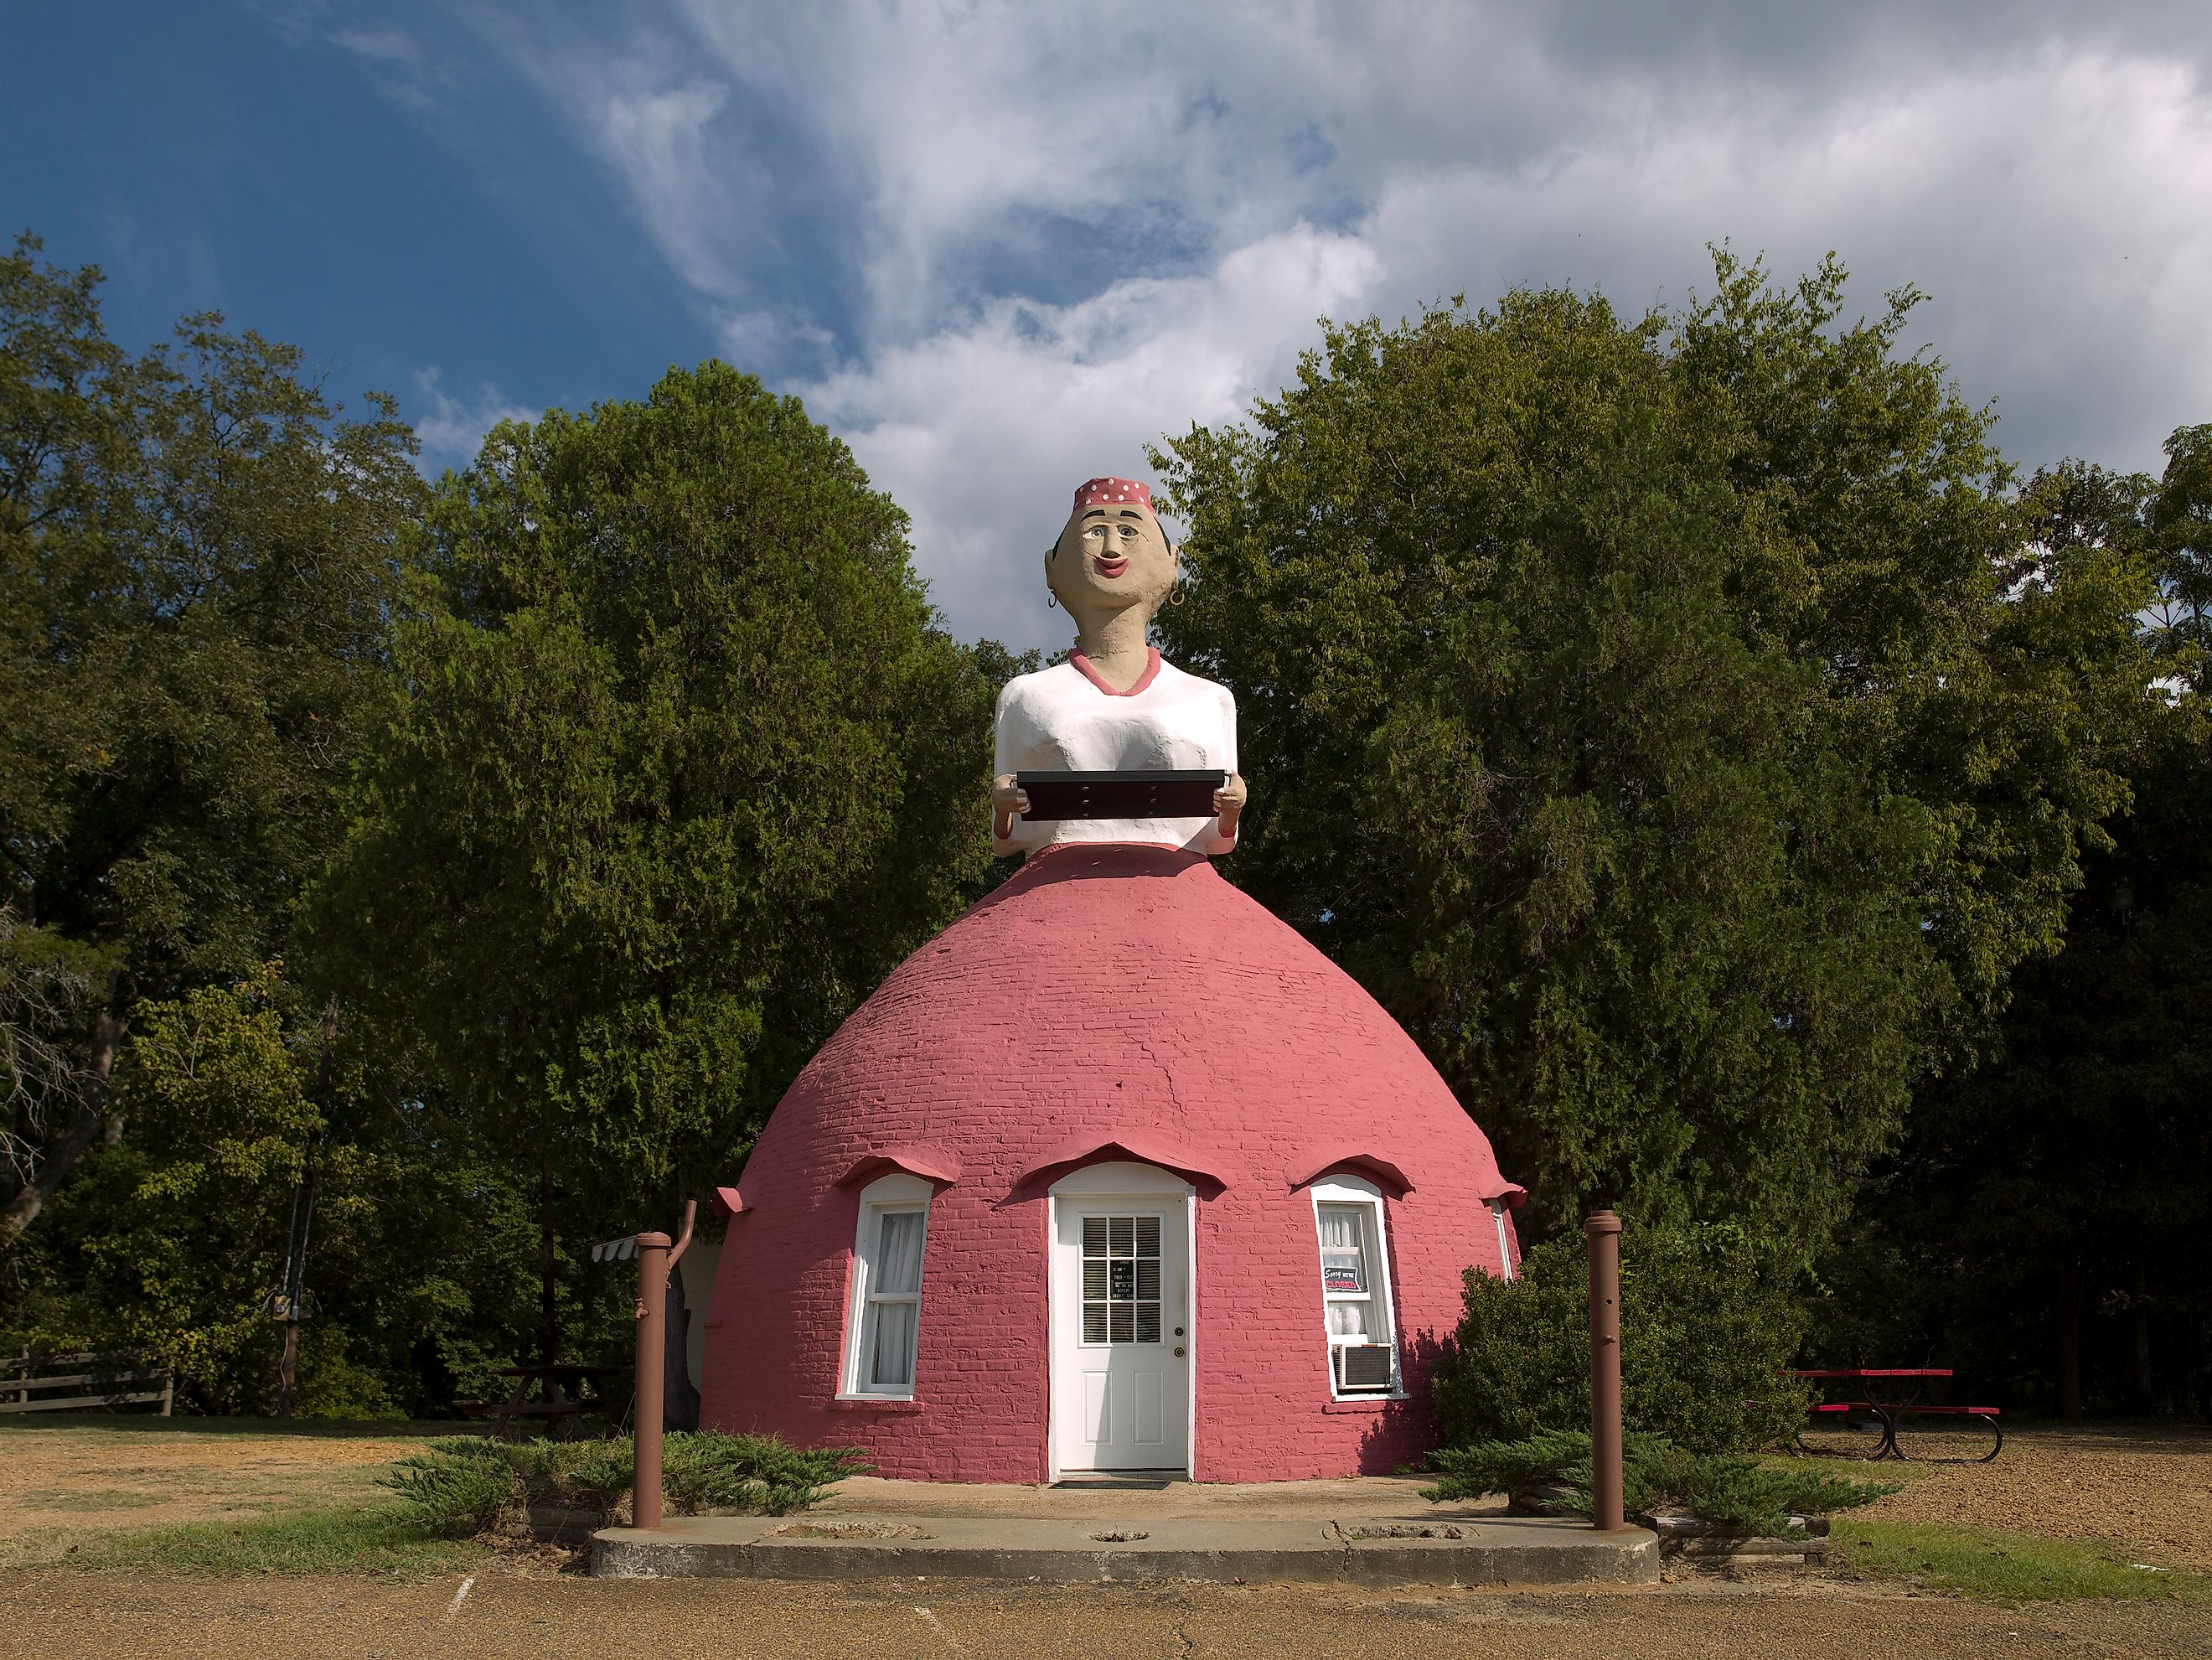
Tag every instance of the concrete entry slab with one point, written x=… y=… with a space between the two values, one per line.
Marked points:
x=1351 y=1532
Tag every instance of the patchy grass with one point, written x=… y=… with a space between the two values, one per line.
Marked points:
x=91 y=1498
x=357 y=1539
x=78 y=1484
x=2001 y=1566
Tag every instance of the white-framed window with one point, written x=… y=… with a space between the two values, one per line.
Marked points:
x=1355 y=1287
x=883 y=1323
x=1497 y=1208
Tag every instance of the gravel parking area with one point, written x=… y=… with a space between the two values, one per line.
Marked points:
x=2148 y=1490
x=50 y=1614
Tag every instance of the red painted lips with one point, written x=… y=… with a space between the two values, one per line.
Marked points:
x=1111 y=565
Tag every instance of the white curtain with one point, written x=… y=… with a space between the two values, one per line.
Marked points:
x=898 y=1254
x=892 y=1362
x=1340 y=1230
x=896 y=1273
x=1344 y=1246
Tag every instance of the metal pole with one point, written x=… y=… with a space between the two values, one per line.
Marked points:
x=652 y=1352
x=1602 y=1231
x=654 y=1259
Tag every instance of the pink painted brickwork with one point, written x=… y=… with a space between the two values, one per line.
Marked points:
x=1102 y=991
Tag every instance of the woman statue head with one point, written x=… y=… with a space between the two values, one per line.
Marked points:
x=1112 y=569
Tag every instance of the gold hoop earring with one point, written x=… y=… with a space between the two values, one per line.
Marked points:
x=1178 y=596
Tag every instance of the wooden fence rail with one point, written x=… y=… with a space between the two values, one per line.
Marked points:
x=113 y=1378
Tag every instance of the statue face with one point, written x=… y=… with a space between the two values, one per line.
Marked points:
x=1109 y=558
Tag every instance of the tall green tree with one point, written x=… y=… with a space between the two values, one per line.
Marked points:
x=1661 y=717
x=2180 y=522
x=679 y=765
x=255 y=1132
x=2038 y=1228
x=197 y=554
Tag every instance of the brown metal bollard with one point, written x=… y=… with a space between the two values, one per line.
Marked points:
x=654 y=1260
x=1602 y=1231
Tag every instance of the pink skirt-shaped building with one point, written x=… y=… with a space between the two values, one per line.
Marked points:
x=1116 y=1173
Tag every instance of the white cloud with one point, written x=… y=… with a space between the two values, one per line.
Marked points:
x=942 y=124
x=394 y=61
x=657 y=137
x=387 y=48
x=2058 y=212
x=981 y=432
x=451 y=428
x=1026 y=240
x=641 y=107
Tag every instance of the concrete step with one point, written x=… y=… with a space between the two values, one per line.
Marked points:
x=1362 y=1550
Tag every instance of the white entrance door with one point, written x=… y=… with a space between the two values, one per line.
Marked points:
x=1121 y=1333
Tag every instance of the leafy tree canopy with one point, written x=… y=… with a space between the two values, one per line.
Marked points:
x=1664 y=717
x=197 y=560
x=2038 y=1224
x=678 y=764
x=2180 y=514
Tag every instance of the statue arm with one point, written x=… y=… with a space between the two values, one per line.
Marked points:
x=1228 y=800
x=1007 y=798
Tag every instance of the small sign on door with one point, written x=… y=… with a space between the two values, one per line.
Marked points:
x=1341 y=1276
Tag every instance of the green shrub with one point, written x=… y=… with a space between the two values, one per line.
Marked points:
x=455 y=1489
x=458 y=1487
x=756 y=1473
x=1737 y=1493
x=1708 y=1326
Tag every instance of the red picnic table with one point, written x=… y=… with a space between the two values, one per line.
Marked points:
x=1886 y=1413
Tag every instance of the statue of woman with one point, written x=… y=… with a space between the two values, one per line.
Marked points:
x=1113 y=706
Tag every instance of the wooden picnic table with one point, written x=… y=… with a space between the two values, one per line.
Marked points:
x=1887 y=1413
x=565 y=1400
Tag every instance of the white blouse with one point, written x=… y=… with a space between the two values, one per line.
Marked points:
x=1064 y=719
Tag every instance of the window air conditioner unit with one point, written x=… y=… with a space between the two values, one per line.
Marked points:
x=1364 y=1367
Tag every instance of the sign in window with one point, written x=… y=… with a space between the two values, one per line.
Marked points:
x=1362 y=1354
x=1120 y=1279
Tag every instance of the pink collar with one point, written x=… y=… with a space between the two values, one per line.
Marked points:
x=1151 y=672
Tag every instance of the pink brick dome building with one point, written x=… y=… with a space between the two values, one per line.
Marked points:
x=1116 y=1173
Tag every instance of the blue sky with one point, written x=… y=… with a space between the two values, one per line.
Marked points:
x=1001 y=246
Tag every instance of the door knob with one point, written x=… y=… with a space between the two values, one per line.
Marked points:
x=1178 y=1350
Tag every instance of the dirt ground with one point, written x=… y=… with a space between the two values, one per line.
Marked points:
x=2148 y=1491
x=47 y=1615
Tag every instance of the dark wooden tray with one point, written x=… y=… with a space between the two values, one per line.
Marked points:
x=1056 y=795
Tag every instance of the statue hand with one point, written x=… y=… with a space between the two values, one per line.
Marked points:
x=1229 y=802
x=1007 y=798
